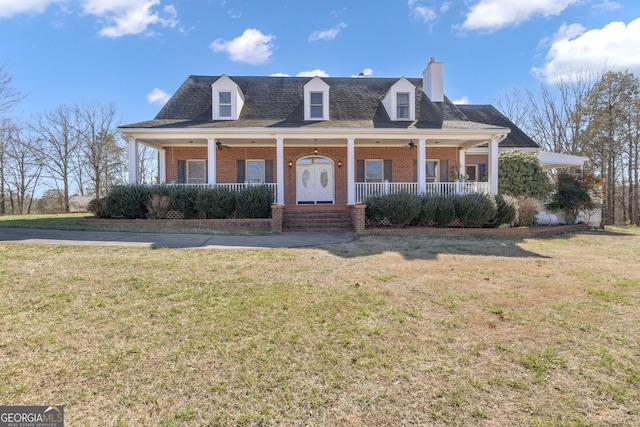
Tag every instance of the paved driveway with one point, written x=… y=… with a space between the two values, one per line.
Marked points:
x=160 y=240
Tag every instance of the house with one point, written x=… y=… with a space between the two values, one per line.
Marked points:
x=326 y=141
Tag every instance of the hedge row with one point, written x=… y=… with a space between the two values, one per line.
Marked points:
x=470 y=210
x=141 y=201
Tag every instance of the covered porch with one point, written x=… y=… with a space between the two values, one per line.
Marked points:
x=332 y=167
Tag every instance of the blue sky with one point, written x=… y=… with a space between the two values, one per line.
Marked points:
x=137 y=52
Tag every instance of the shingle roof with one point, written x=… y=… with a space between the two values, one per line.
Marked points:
x=490 y=115
x=353 y=103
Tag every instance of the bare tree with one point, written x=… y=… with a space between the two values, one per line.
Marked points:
x=147 y=165
x=9 y=96
x=57 y=145
x=102 y=150
x=23 y=169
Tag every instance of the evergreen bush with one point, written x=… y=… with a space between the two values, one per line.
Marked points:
x=520 y=175
x=254 y=202
x=572 y=194
x=96 y=207
x=218 y=202
x=183 y=200
x=506 y=210
x=127 y=201
x=475 y=210
x=445 y=211
x=429 y=209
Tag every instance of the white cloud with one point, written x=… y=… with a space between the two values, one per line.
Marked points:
x=463 y=101
x=9 y=8
x=158 y=97
x=251 y=47
x=427 y=14
x=279 y=75
x=367 y=72
x=606 y=5
x=329 y=34
x=492 y=15
x=575 y=51
x=124 y=17
x=319 y=73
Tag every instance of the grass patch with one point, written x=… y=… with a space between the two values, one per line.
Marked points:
x=380 y=331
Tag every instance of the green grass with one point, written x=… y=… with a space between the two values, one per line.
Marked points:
x=380 y=331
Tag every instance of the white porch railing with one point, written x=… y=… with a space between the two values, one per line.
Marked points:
x=235 y=187
x=367 y=189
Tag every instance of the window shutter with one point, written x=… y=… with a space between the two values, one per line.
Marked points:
x=360 y=171
x=387 y=171
x=415 y=170
x=444 y=170
x=241 y=171
x=206 y=171
x=182 y=171
x=482 y=172
x=268 y=171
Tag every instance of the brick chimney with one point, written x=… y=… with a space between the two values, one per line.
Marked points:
x=433 y=80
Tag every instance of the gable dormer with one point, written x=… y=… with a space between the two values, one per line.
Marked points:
x=400 y=101
x=227 y=99
x=316 y=99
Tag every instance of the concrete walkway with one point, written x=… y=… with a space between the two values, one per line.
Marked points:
x=160 y=240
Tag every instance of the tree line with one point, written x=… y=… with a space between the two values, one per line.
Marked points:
x=70 y=150
x=597 y=116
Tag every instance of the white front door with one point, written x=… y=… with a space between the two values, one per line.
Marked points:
x=314 y=180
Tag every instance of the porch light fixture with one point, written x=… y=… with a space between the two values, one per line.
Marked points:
x=315 y=151
x=412 y=145
x=290 y=163
x=339 y=163
x=315 y=146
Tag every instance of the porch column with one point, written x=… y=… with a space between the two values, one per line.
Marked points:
x=133 y=160
x=280 y=171
x=162 y=166
x=422 y=166
x=351 y=169
x=463 y=162
x=211 y=160
x=493 y=165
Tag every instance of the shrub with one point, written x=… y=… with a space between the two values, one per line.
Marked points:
x=96 y=207
x=445 y=211
x=158 y=206
x=399 y=209
x=506 y=210
x=520 y=175
x=475 y=210
x=429 y=209
x=254 y=202
x=127 y=201
x=183 y=200
x=572 y=194
x=215 y=202
x=527 y=210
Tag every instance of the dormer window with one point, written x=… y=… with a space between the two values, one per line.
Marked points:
x=400 y=101
x=402 y=106
x=227 y=99
x=224 y=104
x=316 y=100
x=317 y=106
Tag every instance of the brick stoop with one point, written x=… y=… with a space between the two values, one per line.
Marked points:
x=317 y=218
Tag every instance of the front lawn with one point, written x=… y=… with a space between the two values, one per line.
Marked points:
x=386 y=330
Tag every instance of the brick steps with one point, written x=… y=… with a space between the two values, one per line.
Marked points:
x=317 y=218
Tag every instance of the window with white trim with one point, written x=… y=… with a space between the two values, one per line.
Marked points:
x=433 y=170
x=373 y=170
x=402 y=105
x=255 y=172
x=224 y=104
x=316 y=105
x=196 y=172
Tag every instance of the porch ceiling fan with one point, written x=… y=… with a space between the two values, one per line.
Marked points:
x=220 y=145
